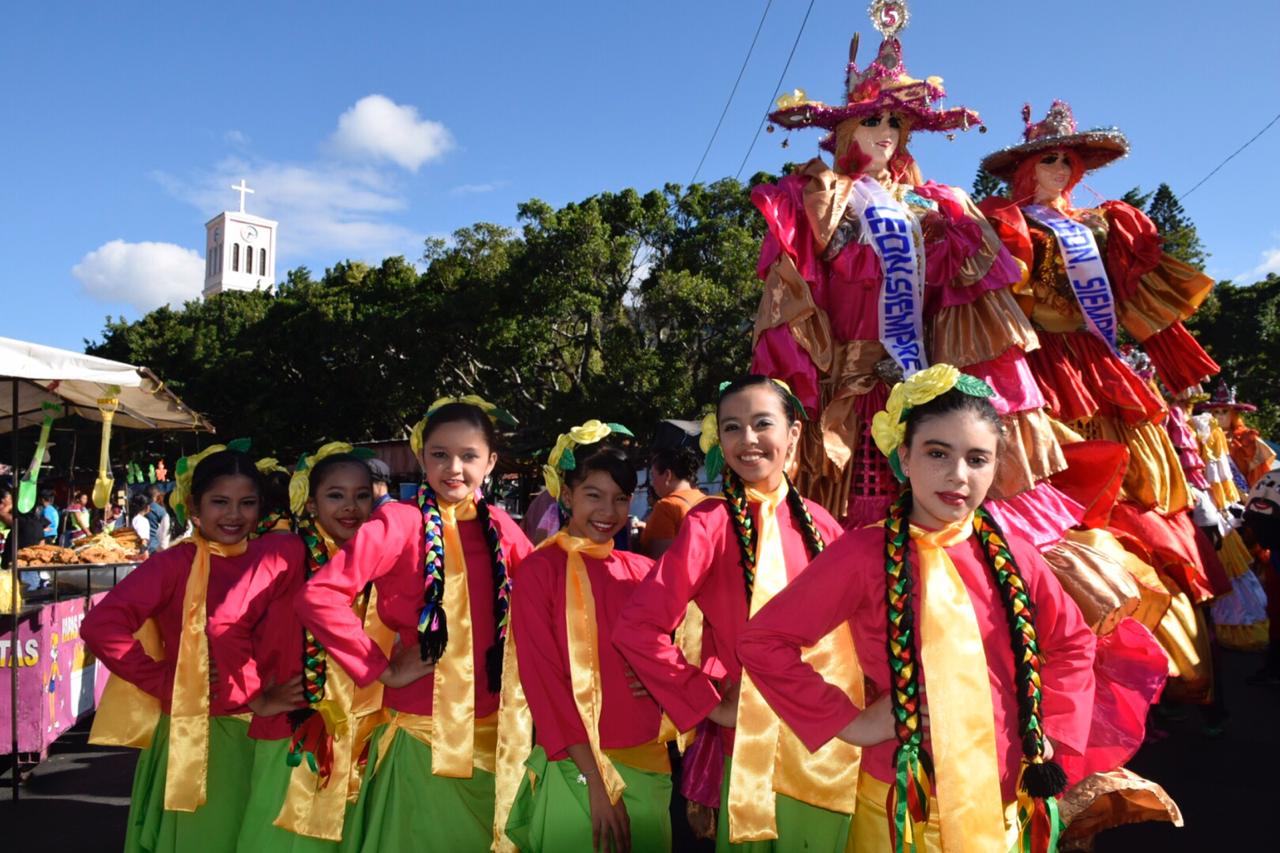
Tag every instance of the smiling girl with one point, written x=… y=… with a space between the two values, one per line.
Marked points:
x=193 y=775
x=440 y=570
x=730 y=557
x=601 y=780
x=308 y=717
x=981 y=666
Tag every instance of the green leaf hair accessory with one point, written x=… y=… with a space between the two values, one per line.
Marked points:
x=562 y=457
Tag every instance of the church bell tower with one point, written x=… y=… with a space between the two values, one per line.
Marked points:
x=240 y=250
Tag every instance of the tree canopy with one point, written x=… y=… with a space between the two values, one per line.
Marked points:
x=627 y=307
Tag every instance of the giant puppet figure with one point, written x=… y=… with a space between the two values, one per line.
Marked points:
x=1090 y=273
x=871 y=274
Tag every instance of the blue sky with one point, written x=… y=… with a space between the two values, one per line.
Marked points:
x=367 y=127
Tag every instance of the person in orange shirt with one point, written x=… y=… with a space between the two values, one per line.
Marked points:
x=673 y=474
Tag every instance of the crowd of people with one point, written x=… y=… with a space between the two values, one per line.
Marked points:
x=975 y=518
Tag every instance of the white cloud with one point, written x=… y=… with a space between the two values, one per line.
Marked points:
x=476 y=189
x=323 y=208
x=1270 y=264
x=144 y=275
x=379 y=128
x=237 y=138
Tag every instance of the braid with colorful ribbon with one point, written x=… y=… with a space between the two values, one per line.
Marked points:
x=501 y=596
x=268 y=522
x=908 y=801
x=1042 y=779
x=311 y=739
x=433 y=628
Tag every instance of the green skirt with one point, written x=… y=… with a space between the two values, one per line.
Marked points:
x=403 y=807
x=212 y=828
x=271 y=773
x=553 y=813
x=800 y=826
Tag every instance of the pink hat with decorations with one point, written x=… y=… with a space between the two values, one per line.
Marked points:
x=1224 y=397
x=883 y=86
x=1095 y=148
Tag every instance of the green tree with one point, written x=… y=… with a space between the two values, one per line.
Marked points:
x=1240 y=327
x=986 y=185
x=1175 y=226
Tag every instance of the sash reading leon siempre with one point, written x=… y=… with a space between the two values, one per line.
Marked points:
x=894 y=233
x=1085 y=271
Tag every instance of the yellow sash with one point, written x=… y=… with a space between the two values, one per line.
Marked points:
x=584 y=654
x=971 y=813
x=453 y=690
x=186 y=776
x=316 y=807
x=422 y=728
x=127 y=714
x=767 y=755
x=515 y=742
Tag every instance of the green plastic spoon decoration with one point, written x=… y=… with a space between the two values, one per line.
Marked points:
x=27 y=486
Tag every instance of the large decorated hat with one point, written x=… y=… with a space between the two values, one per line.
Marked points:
x=1224 y=397
x=1095 y=148
x=884 y=85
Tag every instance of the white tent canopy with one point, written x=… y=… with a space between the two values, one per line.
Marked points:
x=77 y=381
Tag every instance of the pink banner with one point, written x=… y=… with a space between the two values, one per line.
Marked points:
x=58 y=680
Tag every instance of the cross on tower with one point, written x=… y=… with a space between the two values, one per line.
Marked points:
x=242 y=189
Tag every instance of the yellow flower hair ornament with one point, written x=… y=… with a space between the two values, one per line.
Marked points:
x=300 y=480
x=888 y=427
x=497 y=414
x=709 y=444
x=180 y=496
x=270 y=465
x=562 y=457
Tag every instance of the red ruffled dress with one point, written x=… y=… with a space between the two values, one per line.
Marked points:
x=1085 y=384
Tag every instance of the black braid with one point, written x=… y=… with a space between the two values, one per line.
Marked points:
x=744 y=528
x=735 y=493
x=501 y=595
x=800 y=510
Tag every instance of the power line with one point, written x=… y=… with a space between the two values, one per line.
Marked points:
x=776 y=89
x=1229 y=159
x=732 y=91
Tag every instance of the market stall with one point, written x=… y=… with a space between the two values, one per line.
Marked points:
x=52 y=682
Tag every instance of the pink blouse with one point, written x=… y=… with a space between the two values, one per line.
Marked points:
x=542 y=646
x=389 y=551
x=702 y=565
x=155 y=590
x=847 y=583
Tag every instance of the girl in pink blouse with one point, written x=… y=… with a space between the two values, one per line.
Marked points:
x=308 y=718
x=599 y=778
x=441 y=572
x=979 y=665
x=729 y=557
x=193 y=775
